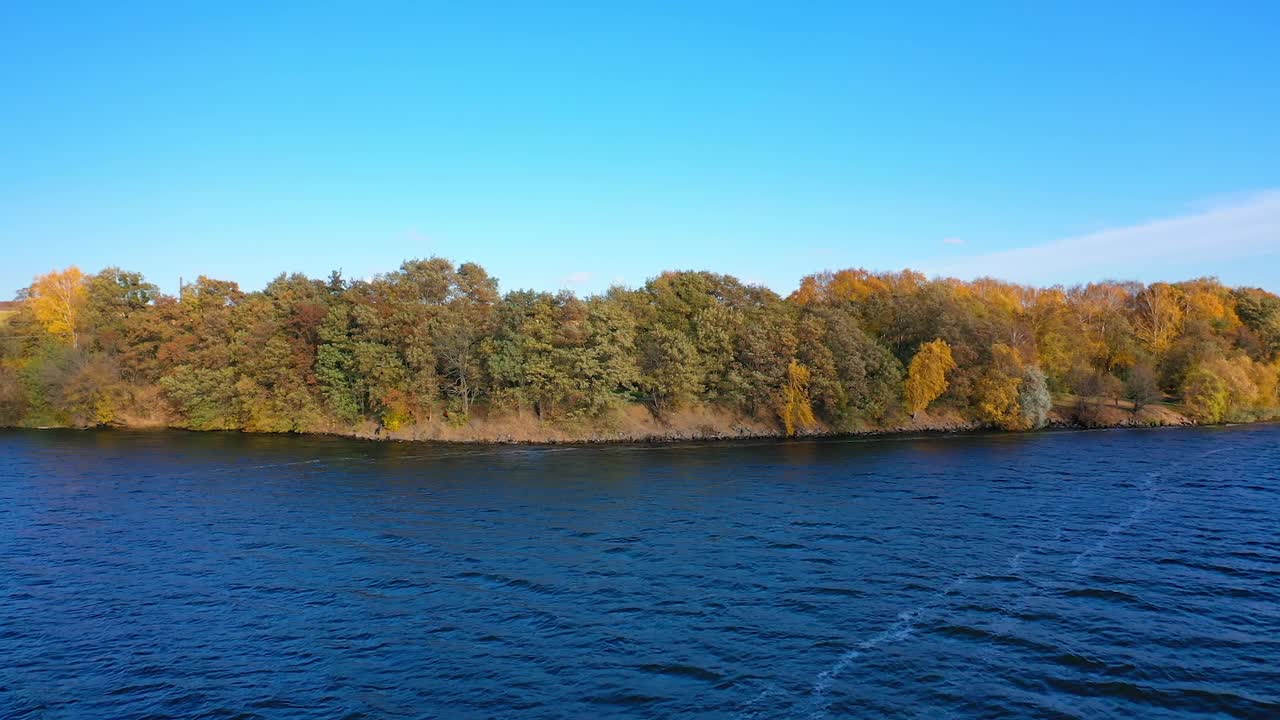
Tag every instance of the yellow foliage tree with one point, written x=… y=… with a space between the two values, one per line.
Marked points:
x=1159 y=314
x=856 y=285
x=57 y=300
x=927 y=375
x=1007 y=297
x=797 y=410
x=997 y=392
x=1206 y=300
x=997 y=396
x=1267 y=378
x=1233 y=389
x=1205 y=395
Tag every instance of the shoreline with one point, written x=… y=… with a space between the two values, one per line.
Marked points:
x=1057 y=423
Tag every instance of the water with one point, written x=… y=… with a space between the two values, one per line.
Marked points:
x=1060 y=575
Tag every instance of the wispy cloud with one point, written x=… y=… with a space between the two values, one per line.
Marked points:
x=581 y=277
x=952 y=241
x=1242 y=228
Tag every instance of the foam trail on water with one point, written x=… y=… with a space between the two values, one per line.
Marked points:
x=749 y=710
x=906 y=621
x=899 y=630
x=1151 y=491
x=1015 y=564
x=287 y=464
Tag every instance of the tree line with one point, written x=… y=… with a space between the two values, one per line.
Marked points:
x=434 y=342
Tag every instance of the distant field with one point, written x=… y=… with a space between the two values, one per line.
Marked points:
x=6 y=314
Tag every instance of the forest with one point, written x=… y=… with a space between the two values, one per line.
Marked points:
x=434 y=346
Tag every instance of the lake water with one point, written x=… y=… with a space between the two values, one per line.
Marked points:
x=1054 y=575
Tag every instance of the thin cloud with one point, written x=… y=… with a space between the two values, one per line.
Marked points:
x=581 y=277
x=1247 y=227
x=952 y=241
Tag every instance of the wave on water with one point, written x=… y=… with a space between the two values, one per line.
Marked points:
x=286 y=464
x=908 y=620
x=288 y=578
x=1151 y=491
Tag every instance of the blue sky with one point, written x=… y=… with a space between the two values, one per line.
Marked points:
x=577 y=145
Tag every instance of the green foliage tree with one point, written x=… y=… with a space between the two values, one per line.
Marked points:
x=433 y=342
x=1259 y=311
x=856 y=381
x=670 y=369
x=203 y=399
x=13 y=400
x=458 y=333
x=522 y=358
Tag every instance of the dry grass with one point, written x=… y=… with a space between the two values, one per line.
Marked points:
x=146 y=409
x=632 y=423
x=1104 y=412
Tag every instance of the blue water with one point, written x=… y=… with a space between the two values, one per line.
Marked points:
x=1054 y=575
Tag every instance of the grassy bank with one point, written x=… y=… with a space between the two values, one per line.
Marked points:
x=637 y=424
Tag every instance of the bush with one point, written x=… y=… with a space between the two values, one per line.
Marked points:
x=205 y=399
x=1033 y=396
x=1205 y=395
x=1141 y=387
x=13 y=399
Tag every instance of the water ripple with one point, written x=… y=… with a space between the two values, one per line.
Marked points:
x=1057 y=575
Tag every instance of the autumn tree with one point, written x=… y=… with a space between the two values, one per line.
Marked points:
x=1248 y=386
x=1158 y=312
x=927 y=375
x=57 y=298
x=797 y=412
x=1103 y=314
x=1205 y=395
x=1012 y=394
x=430 y=341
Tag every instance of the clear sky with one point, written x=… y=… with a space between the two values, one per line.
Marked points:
x=577 y=145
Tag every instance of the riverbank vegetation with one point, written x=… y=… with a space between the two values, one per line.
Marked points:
x=433 y=348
